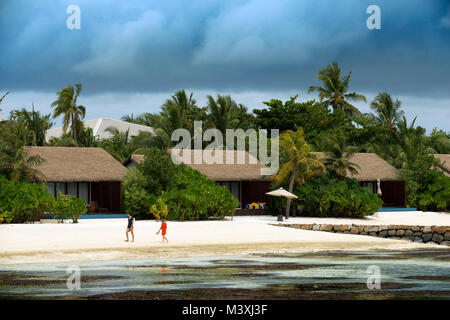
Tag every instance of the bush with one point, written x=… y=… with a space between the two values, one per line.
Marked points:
x=193 y=196
x=159 y=209
x=136 y=199
x=69 y=207
x=436 y=195
x=326 y=197
x=159 y=170
x=22 y=202
x=184 y=193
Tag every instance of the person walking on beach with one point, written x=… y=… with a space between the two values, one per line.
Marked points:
x=130 y=227
x=164 y=230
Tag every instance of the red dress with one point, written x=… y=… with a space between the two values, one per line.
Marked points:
x=163 y=228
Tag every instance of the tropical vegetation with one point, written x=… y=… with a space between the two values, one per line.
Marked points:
x=317 y=140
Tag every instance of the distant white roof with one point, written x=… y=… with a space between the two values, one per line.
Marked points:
x=99 y=127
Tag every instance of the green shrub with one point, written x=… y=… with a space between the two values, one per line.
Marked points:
x=159 y=209
x=186 y=193
x=68 y=207
x=22 y=202
x=193 y=196
x=159 y=170
x=326 y=197
x=436 y=194
x=136 y=199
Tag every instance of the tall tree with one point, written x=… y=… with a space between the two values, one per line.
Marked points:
x=411 y=144
x=120 y=145
x=36 y=123
x=334 y=92
x=299 y=163
x=15 y=160
x=178 y=112
x=3 y=97
x=66 y=105
x=338 y=155
x=221 y=112
x=388 y=111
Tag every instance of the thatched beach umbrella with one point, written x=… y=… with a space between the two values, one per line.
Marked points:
x=280 y=192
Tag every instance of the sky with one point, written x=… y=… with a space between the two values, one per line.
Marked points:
x=132 y=55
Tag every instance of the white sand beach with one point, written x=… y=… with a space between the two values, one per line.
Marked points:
x=103 y=239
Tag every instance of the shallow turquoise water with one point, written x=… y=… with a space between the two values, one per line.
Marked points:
x=246 y=272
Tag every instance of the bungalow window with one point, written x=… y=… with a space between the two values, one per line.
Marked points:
x=84 y=191
x=60 y=187
x=235 y=189
x=51 y=188
x=369 y=185
x=232 y=186
x=72 y=189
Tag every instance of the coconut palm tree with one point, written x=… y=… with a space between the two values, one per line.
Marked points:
x=177 y=112
x=36 y=123
x=334 y=91
x=120 y=145
x=21 y=166
x=221 y=112
x=15 y=160
x=411 y=144
x=3 y=97
x=66 y=105
x=388 y=111
x=337 y=157
x=299 y=163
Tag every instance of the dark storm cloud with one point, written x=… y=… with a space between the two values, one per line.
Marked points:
x=160 y=46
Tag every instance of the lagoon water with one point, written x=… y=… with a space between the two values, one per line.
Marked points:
x=416 y=271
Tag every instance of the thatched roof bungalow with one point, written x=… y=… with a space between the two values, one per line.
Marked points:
x=248 y=185
x=245 y=180
x=91 y=174
x=374 y=168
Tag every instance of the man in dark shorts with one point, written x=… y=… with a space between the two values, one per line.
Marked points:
x=130 y=227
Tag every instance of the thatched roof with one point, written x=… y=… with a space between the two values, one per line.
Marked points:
x=373 y=167
x=67 y=164
x=444 y=163
x=136 y=158
x=248 y=171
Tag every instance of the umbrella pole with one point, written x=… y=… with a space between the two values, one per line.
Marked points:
x=280 y=216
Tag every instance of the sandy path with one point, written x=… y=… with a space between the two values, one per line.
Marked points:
x=104 y=239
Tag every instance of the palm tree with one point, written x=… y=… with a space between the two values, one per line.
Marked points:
x=224 y=113
x=21 y=166
x=120 y=145
x=128 y=118
x=15 y=160
x=221 y=112
x=36 y=123
x=178 y=112
x=388 y=111
x=411 y=144
x=1 y=99
x=66 y=105
x=299 y=164
x=334 y=90
x=337 y=157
